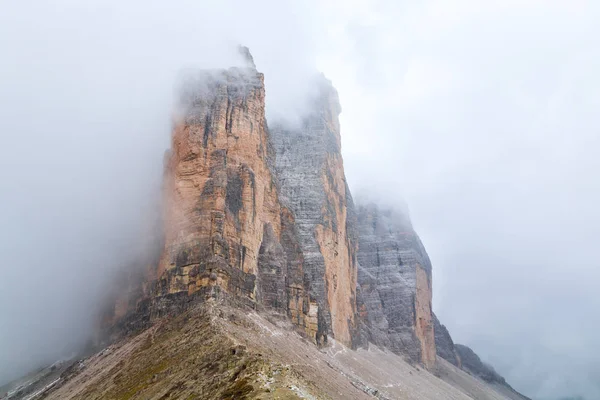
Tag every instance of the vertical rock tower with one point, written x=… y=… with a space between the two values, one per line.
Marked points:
x=220 y=196
x=395 y=285
x=313 y=187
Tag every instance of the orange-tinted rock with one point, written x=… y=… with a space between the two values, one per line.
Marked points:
x=423 y=316
x=220 y=196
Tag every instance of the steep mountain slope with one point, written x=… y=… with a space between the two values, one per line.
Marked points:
x=214 y=351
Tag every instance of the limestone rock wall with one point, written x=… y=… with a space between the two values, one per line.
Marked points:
x=394 y=279
x=313 y=187
x=220 y=196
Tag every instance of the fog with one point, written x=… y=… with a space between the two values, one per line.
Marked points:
x=485 y=118
x=85 y=113
x=482 y=117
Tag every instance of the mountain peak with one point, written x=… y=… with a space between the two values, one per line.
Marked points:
x=247 y=56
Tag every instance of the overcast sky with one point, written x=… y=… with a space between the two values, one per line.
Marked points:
x=482 y=115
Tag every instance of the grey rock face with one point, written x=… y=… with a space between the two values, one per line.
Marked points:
x=473 y=364
x=312 y=186
x=394 y=278
x=444 y=344
x=299 y=161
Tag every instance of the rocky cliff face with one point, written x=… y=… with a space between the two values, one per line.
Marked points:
x=221 y=220
x=394 y=278
x=221 y=205
x=313 y=187
x=264 y=218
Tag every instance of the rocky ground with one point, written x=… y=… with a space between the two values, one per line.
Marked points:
x=217 y=352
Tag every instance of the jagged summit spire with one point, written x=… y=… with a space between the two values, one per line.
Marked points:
x=247 y=56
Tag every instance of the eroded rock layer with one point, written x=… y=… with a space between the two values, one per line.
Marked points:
x=313 y=187
x=394 y=278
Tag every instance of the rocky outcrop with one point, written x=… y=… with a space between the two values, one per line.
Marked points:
x=394 y=280
x=444 y=344
x=473 y=365
x=221 y=205
x=313 y=187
